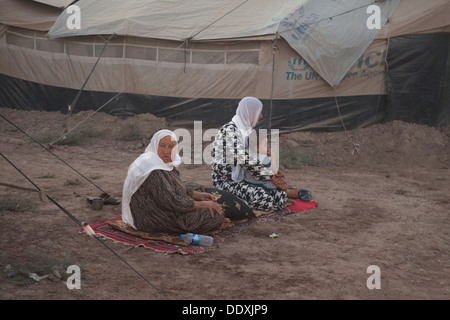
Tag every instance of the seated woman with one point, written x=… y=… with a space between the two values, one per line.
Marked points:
x=155 y=198
x=260 y=150
x=229 y=156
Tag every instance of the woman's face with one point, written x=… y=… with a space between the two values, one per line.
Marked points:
x=166 y=149
x=259 y=119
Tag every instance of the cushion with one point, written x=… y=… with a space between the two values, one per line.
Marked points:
x=233 y=207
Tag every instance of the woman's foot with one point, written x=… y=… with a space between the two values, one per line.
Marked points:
x=226 y=223
x=292 y=193
x=301 y=194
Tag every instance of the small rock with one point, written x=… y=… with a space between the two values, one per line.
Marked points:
x=56 y=273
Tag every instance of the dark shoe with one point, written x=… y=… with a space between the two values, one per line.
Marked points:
x=109 y=199
x=304 y=195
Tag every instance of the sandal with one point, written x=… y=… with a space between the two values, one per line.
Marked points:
x=109 y=199
x=304 y=195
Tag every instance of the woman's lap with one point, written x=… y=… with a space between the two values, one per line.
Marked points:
x=198 y=221
x=256 y=197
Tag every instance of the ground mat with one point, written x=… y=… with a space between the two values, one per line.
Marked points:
x=115 y=229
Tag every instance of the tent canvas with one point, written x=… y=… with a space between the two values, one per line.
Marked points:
x=322 y=32
x=196 y=59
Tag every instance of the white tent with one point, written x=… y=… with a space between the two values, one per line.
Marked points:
x=189 y=58
x=319 y=31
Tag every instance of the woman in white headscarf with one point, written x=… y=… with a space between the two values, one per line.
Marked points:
x=230 y=159
x=155 y=198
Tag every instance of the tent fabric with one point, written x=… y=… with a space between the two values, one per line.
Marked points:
x=56 y=3
x=28 y=14
x=203 y=78
x=227 y=19
x=417 y=88
x=326 y=32
x=418 y=16
x=321 y=31
x=177 y=20
x=224 y=69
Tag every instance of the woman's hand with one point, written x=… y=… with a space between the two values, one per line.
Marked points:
x=212 y=206
x=278 y=180
x=203 y=196
x=279 y=174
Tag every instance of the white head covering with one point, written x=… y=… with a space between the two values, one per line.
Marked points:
x=247 y=114
x=142 y=167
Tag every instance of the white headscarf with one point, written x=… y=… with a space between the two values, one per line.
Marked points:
x=141 y=168
x=247 y=114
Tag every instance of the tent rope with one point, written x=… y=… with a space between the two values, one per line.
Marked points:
x=77 y=125
x=184 y=43
x=48 y=150
x=386 y=63
x=355 y=145
x=116 y=96
x=85 y=227
x=215 y=21
x=331 y=17
x=75 y=100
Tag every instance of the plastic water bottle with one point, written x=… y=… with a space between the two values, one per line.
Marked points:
x=192 y=238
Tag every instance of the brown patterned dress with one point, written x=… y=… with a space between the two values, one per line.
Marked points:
x=164 y=204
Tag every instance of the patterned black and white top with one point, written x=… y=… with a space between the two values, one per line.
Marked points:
x=229 y=150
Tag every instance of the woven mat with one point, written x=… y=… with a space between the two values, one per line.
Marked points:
x=117 y=230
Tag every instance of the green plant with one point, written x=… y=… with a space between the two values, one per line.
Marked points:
x=18 y=269
x=72 y=182
x=15 y=205
x=72 y=138
x=294 y=159
x=79 y=137
x=46 y=137
x=130 y=131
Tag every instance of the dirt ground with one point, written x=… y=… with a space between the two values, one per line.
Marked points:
x=386 y=204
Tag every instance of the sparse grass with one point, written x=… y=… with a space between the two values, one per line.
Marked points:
x=294 y=159
x=15 y=205
x=72 y=182
x=77 y=137
x=48 y=176
x=46 y=137
x=17 y=269
x=130 y=131
x=80 y=137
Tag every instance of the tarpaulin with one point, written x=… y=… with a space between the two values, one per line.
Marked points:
x=418 y=79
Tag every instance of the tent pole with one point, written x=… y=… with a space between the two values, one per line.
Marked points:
x=74 y=102
x=275 y=49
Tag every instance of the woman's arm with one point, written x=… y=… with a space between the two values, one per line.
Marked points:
x=168 y=195
x=230 y=149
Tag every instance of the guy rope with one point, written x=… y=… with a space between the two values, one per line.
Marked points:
x=84 y=226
